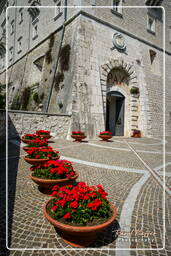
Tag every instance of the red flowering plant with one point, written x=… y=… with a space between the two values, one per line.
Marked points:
x=29 y=136
x=38 y=142
x=59 y=169
x=42 y=153
x=106 y=133
x=42 y=132
x=79 y=205
x=77 y=133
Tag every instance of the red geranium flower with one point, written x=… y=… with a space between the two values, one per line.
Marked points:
x=84 y=202
x=67 y=216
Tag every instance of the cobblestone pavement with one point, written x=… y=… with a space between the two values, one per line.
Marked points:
x=130 y=186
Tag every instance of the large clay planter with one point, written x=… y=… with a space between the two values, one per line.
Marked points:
x=46 y=185
x=45 y=136
x=35 y=161
x=78 y=138
x=136 y=134
x=105 y=137
x=54 y=158
x=26 y=141
x=28 y=148
x=75 y=235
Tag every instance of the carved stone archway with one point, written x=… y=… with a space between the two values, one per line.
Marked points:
x=131 y=100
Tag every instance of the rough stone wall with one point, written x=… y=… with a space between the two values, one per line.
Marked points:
x=20 y=123
x=2 y=127
x=62 y=91
x=89 y=113
x=81 y=91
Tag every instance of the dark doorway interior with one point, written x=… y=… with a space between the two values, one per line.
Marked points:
x=115 y=113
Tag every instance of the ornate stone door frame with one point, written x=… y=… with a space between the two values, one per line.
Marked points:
x=131 y=101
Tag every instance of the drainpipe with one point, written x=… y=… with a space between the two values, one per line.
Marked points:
x=56 y=66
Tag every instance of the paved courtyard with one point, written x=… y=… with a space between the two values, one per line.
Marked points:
x=131 y=170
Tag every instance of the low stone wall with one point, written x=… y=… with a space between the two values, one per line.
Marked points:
x=21 y=122
x=2 y=126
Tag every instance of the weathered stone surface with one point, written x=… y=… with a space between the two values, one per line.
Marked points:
x=20 y=123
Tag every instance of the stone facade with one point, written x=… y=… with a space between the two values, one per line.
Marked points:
x=81 y=90
x=20 y=123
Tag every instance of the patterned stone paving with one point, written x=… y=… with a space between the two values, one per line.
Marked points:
x=148 y=216
x=111 y=157
x=28 y=202
x=28 y=228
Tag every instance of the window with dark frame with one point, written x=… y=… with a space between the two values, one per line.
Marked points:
x=11 y=51
x=58 y=9
x=12 y=27
x=117 y=6
x=152 y=55
x=19 y=44
x=151 y=24
x=20 y=15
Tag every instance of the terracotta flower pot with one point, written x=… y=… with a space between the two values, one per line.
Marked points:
x=26 y=148
x=78 y=138
x=105 y=137
x=26 y=141
x=45 y=136
x=55 y=158
x=46 y=184
x=35 y=161
x=75 y=235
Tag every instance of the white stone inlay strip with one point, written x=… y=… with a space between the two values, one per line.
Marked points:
x=161 y=166
x=155 y=175
x=126 y=214
x=105 y=166
x=127 y=149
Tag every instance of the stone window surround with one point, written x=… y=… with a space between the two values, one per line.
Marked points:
x=3 y=26
x=149 y=26
x=58 y=9
x=19 y=44
x=12 y=27
x=34 y=12
x=20 y=15
x=35 y=28
x=2 y=61
x=11 y=51
x=115 y=10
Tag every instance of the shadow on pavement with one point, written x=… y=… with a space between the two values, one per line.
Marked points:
x=12 y=167
x=106 y=237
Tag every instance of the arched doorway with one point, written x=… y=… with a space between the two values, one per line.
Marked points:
x=115 y=103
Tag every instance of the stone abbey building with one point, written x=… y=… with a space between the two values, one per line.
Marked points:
x=83 y=67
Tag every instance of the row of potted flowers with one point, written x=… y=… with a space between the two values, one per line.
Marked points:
x=79 y=136
x=77 y=210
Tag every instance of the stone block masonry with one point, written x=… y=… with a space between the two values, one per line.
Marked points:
x=21 y=122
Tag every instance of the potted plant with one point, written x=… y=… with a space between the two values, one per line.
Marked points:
x=59 y=172
x=78 y=136
x=105 y=135
x=26 y=138
x=79 y=212
x=36 y=143
x=134 y=90
x=136 y=133
x=40 y=155
x=43 y=133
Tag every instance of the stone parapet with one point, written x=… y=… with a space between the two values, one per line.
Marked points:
x=28 y=122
